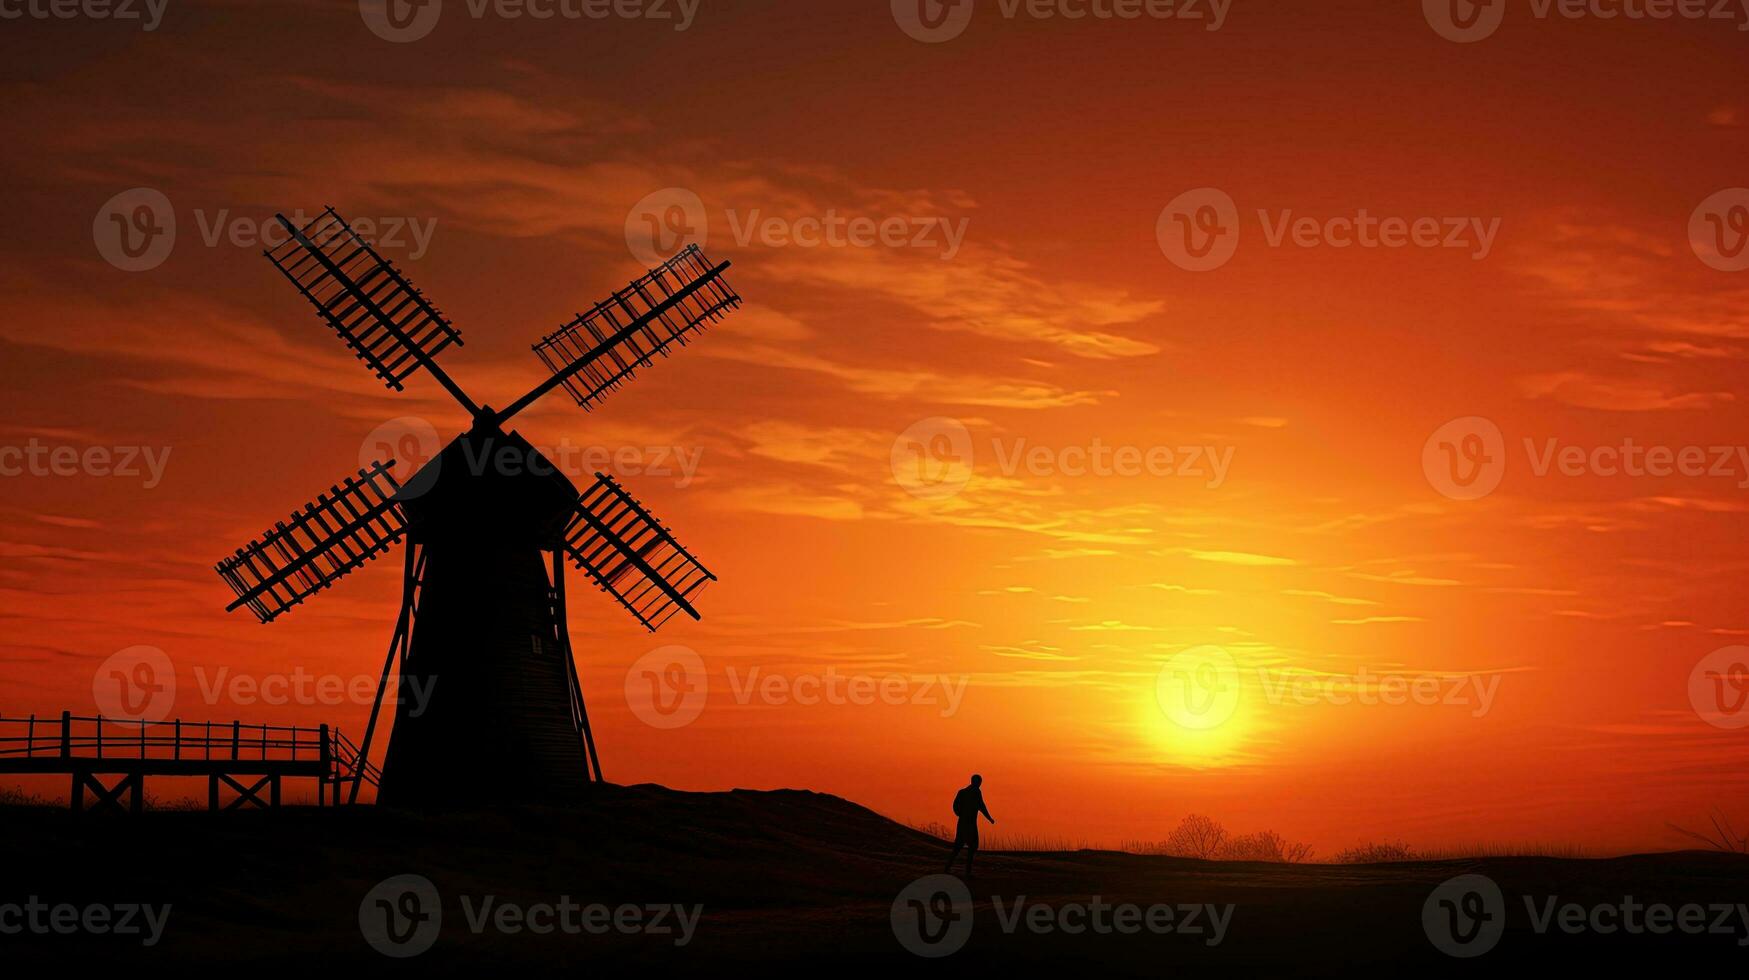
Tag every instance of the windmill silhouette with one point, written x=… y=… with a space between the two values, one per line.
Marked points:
x=481 y=638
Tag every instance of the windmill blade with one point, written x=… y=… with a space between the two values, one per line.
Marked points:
x=600 y=350
x=349 y=525
x=386 y=322
x=632 y=556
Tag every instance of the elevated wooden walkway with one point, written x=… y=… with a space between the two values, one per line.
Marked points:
x=251 y=760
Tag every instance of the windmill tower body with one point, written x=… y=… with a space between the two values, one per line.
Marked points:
x=489 y=706
x=486 y=686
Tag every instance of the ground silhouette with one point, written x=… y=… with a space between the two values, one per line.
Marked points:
x=782 y=876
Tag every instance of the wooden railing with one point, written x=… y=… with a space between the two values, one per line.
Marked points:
x=72 y=736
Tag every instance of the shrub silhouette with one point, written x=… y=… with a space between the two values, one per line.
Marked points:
x=1265 y=845
x=1196 y=836
x=1376 y=853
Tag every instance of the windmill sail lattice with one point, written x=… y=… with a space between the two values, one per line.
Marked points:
x=349 y=525
x=632 y=556
x=388 y=324
x=609 y=343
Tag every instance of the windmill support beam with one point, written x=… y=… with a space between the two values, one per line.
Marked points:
x=561 y=622
x=397 y=651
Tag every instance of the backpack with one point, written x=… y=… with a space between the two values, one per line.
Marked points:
x=963 y=805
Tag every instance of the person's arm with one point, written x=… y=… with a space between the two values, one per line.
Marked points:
x=985 y=809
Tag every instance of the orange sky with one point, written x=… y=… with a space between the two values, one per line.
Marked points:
x=1584 y=603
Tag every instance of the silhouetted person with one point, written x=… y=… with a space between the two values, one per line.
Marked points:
x=967 y=804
